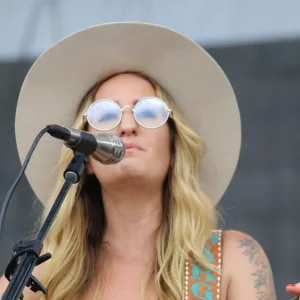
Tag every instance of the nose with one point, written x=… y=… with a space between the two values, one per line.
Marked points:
x=128 y=125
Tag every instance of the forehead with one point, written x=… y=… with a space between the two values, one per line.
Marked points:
x=125 y=87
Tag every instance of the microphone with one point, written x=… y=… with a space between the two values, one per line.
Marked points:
x=105 y=148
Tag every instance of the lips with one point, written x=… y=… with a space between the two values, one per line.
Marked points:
x=132 y=146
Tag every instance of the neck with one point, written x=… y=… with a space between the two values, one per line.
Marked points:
x=133 y=217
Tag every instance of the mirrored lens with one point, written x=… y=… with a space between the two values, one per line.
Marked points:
x=104 y=115
x=151 y=112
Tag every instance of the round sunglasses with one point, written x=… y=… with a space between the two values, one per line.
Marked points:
x=106 y=114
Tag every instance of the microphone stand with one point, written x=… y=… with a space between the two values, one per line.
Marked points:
x=27 y=253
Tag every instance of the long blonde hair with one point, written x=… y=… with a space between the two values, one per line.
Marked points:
x=77 y=231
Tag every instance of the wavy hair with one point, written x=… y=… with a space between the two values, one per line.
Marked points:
x=76 y=235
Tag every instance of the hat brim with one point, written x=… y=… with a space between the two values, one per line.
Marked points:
x=60 y=77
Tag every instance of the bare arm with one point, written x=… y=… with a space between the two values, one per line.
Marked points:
x=250 y=274
x=3 y=285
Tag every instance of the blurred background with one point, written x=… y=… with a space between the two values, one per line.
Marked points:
x=257 y=43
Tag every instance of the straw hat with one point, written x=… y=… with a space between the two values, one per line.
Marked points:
x=60 y=77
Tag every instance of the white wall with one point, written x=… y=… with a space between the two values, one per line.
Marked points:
x=28 y=27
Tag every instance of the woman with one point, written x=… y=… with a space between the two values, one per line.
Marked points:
x=144 y=228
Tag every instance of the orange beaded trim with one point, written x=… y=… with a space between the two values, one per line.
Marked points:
x=201 y=283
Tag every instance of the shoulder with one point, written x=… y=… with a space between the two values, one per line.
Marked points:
x=234 y=240
x=246 y=266
x=241 y=247
x=238 y=244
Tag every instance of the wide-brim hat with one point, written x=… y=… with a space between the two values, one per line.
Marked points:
x=61 y=76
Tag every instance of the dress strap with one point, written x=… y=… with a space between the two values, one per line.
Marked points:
x=201 y=283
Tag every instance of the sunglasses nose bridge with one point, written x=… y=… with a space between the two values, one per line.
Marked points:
x=126 y=106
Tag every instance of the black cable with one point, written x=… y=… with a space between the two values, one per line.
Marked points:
x=14 y=185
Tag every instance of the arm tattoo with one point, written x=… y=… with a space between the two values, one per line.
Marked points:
x=263 y=278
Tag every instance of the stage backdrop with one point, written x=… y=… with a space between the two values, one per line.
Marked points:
x=263 y=199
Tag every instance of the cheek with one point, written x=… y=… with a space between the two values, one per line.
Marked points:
x=95 y=131
x=159 y=144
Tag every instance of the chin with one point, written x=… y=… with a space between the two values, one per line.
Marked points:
x=132 y=168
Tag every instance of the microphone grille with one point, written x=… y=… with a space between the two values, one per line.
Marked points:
x=118 y=148
x=110 y=149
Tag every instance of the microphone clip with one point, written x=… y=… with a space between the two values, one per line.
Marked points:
x=31 y=247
